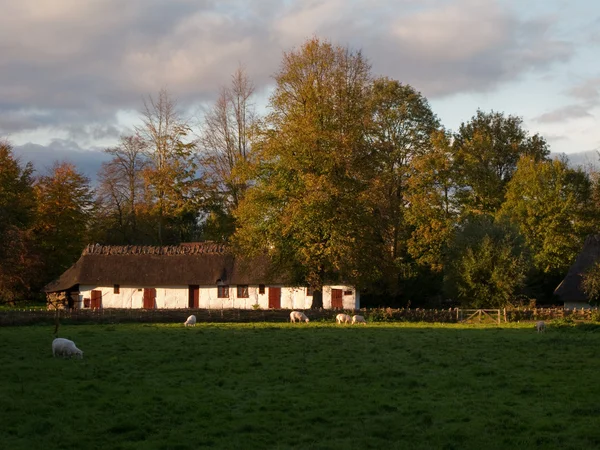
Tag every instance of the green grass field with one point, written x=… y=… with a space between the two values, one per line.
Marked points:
x=308 y=386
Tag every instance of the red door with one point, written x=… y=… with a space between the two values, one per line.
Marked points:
x=194 y=296
x=149 y=298
x=96 y=302
x=337 y=299
x=275 y=297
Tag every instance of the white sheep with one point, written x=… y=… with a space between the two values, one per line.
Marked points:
x=191 y=321
x=540 y=326
x=65 y=348
x=343 y=318
x=358 y=319
x=299 y=316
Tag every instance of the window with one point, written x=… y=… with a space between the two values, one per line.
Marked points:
x=261 y=288
x=347 y=292
x=116 y=289
x=309 y=292
x=242 y=291
x=223 y=291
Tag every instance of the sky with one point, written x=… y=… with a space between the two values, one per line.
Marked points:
x=74 y=74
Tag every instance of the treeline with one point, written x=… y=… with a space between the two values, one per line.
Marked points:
x=347 y=177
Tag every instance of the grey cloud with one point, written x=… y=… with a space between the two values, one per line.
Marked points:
x=87 y=161
x=565 y=113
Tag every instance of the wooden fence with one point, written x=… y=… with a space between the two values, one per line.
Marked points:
x=37 y=316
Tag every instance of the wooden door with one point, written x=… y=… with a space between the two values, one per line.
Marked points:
x=275 y=297
x=194 y=296
x=337 y=299
x=96 y=302
x=149 y=298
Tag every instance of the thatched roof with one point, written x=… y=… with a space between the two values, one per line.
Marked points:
x=569 y=290
x=187 y=264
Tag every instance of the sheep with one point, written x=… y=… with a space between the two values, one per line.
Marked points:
x=343 y=318
x=191 y=321
x=65 y=348
x=298 y=315
x=358 y=319
x=540 y=326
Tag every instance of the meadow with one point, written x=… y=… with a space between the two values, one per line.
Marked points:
x=306 y=386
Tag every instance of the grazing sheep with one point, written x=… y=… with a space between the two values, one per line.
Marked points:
x=343 y=318
x=65 y=348
x=298 y=315
x=359 y=319
x=540 y=326
x=191 y=321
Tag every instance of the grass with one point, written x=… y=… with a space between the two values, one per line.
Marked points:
x=308 y=386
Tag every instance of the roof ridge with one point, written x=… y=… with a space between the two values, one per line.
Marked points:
x=195 y=248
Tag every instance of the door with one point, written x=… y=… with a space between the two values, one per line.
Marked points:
x=149 y=298
x=96 y=302
x=337 y=299
x=194 y=296
x=275 y=297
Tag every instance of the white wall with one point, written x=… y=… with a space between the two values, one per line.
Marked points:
x=178 y=297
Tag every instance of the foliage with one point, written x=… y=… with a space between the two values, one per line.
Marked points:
x=65 y=209
x=138 y=386
x=308 y=207
x=551 y=204
x=590 y=283
x=18 y=264
x=486 y=264
x=487 y=150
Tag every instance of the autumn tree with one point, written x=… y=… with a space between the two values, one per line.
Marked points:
x=309 y=206
x=487 y=149
x=65 y=208
x=121 y=192
x=171 y=176
x=486 y=263
x=18 y=262
x=401 y=127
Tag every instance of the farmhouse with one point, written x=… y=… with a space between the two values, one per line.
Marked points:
x=569 y=290
x=197 y=275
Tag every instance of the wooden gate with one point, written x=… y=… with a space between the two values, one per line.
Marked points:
x=337 y=299
x=275 y=297
x=149 y=298
x=194 y=296
x=479 y=315
x=96 y=302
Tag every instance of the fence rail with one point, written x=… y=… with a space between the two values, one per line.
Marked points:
x=33 y=316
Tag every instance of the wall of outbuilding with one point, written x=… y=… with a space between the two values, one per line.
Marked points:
x=175 y=297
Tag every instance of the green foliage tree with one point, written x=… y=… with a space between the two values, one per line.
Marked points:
x=486 y=152
x=552 y=206
x=486 y=264
x=65 y=209
x=309 y=206
x=18 y=261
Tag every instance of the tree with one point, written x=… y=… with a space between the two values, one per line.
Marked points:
x=226 y=145
x=121 y=191
x=309 y=206
x=552 y=206
x=18 y=262
x=401 y=128
x=65 y=210
x=431 y=210
x=486 y=264
x=171 y=177
x=486 y=151
x=590 y=283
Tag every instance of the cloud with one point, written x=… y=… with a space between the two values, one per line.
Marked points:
x=74 y=65
x=565 y=113
x=587 y=95
x=87 y=161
